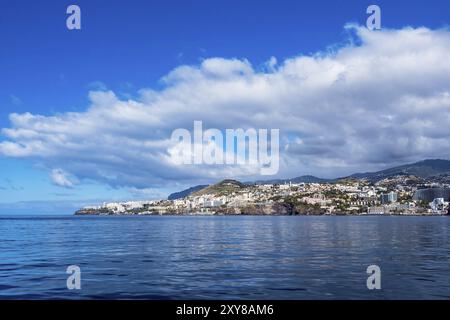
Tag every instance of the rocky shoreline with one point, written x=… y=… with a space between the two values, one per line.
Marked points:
x=255 y=211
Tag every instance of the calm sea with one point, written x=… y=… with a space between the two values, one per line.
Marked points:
x=224 y=257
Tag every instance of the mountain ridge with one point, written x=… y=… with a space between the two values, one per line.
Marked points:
x=186 y=192
x=422 y=169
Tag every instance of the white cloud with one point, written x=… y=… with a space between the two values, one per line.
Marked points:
x=60 y=178
x=382 y=102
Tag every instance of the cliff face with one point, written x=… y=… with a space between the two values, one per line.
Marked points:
x=93 y=212
x=256 y=210
x=269 y=209
x=275 y=209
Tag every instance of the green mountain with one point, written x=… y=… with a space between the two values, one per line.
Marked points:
x=187 y=192
x=301 y=179
x=224 y=187
x=422 y=169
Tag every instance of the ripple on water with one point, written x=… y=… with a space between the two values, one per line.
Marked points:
x=224 y=257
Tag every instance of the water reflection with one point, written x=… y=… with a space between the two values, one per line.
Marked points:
x=225 y=257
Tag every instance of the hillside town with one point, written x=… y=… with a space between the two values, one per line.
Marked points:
x=399 y=195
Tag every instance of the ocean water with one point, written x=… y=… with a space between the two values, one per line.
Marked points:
x=224 y=257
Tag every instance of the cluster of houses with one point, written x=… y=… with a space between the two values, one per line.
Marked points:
x=347 y=197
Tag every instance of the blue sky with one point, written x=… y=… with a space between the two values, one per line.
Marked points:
x=125 y=46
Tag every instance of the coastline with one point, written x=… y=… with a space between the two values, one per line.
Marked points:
x=202 y=214
x=345 y=198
